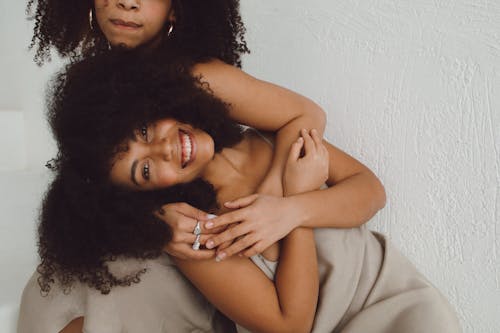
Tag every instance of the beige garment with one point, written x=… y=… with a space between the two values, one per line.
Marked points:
x=164 y=301
x=366 y=286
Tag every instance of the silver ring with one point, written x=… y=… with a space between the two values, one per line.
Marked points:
x=197 y=229
x=196 y=244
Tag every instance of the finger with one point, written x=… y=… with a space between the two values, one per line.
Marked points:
x=191 y=211
x=316 y=139
x=241 y=202
x=227 y=236
x=190 y=239
x=199 y=254
x=294 y=153
x=225 y=219
x=186 y=252
x=308 y=142
x=254 y=250
x=236 y=247
x=223 y=246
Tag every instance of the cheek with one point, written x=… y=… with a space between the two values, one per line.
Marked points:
x=100 y=4
x=167 y=177
x=157 y=17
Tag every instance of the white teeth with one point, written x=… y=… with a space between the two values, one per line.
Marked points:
x=186 y=148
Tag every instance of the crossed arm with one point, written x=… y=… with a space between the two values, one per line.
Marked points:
x=240 y=290
x=354 y=195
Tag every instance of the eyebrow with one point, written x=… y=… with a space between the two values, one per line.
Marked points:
x=132 y=172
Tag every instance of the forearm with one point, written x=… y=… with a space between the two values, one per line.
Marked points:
x=350 y=203
x=242 y=292
x=297 y=280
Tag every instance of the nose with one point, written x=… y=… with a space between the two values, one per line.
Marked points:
x=128 y=4
x=163 y=149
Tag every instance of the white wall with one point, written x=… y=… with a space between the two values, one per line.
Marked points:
x=411 y=88
x=25 y=146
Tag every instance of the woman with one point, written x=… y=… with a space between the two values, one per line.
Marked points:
x=126 y=149
x=208 y=38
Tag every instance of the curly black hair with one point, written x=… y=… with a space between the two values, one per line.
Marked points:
x=204 y=29
x=94 y=107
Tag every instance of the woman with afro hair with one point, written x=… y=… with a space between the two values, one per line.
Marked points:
x=132 y=138
x=206 y=38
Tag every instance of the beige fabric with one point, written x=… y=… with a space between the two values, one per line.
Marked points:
x=366 y=285
x=162 y=302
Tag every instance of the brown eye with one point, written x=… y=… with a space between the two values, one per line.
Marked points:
x=144 y=133
x=145 y=171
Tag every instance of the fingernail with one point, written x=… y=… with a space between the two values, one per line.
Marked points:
x=220 y=256
x=209 y=225
x=209 y=245
x=300 y=139
x=211 y=216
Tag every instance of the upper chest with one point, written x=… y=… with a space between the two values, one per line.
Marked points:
x=254 y=160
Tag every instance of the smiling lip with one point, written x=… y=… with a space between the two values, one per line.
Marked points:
x=125 y=24
x=185 y=151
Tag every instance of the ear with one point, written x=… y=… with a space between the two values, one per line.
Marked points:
x=171 y=15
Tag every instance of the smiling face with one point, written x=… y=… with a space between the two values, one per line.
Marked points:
x=131 y=23
x=162 y=154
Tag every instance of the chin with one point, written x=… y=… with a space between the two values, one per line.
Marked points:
x=122 y=45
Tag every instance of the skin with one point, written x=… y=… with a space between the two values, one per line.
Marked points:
x=155 y=156
x=288 y=303
x=131 y=23
x=253 y=102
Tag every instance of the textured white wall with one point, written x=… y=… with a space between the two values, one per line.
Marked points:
x=25 y=145
x=412 y=88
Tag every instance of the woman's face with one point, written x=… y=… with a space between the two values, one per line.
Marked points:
x=162 y=154
x=131 y=23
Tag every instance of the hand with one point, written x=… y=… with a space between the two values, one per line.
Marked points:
x=310 y=171
x=182 y=219
x=258 y=221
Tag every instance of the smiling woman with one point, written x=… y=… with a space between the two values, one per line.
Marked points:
x=162 y=154
x=97 y=234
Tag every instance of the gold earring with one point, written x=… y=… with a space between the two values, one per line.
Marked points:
x=91 y=20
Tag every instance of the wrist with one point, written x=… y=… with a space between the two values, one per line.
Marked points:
x=297 y=210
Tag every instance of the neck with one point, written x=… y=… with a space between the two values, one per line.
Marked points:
x=237 y=171
x=226 y=168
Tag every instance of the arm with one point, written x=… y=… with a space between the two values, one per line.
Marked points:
x=241 y=291
x=264 y=106
x=288 y=305
x=257 y=104
x=354 y=195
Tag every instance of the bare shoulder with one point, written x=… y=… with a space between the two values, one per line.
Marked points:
x=254 y=102
x=219 y=74
x=260 y=137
